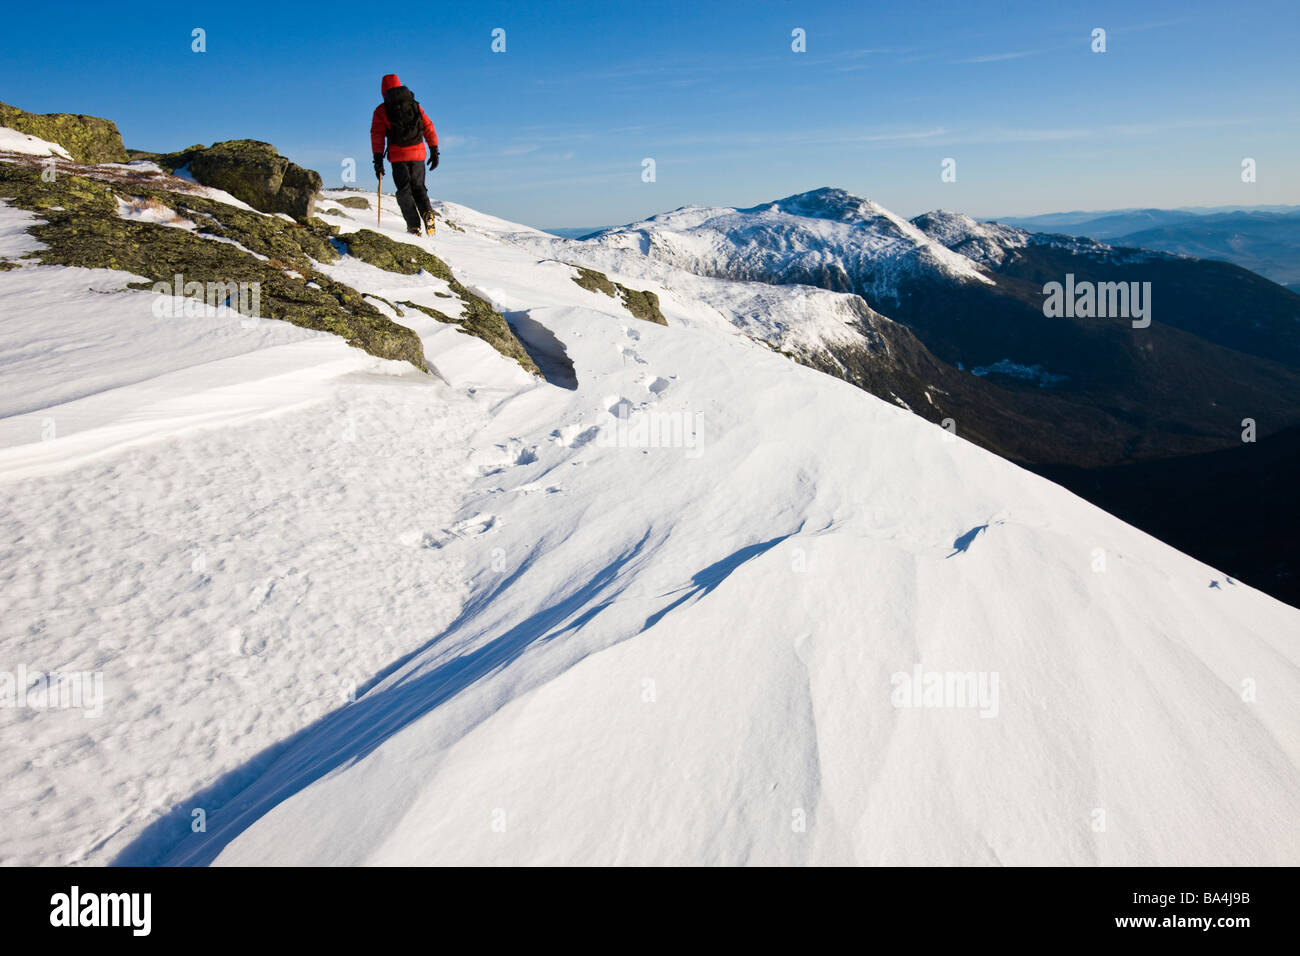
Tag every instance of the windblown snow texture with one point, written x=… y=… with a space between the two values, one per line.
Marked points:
x=349 y=613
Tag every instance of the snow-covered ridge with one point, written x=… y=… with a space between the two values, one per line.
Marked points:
x=688 y=611
x=846 y=242
x=831 y=238
x=989 y=243
x=985 y=243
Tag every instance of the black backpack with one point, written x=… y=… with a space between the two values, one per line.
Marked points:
x=404 y=125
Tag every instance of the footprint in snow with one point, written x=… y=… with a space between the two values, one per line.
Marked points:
x=575 y=436
x=508 y=453
x=618 y=406
x=480 y=523
x=533 y=487
x=630 y=355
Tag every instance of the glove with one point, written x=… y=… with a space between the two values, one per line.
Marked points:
x=379 y=165
x=433 y=157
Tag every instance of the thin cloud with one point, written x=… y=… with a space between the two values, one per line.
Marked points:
x=897 y=137
x=999 y=57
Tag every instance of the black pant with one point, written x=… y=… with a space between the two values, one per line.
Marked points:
x=411 y=194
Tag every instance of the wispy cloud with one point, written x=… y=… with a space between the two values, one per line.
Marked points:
x=901 y=136
x=999 y=57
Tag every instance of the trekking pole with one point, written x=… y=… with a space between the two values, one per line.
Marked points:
x=379 y=200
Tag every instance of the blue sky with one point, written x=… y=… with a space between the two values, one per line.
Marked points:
x=553 y=131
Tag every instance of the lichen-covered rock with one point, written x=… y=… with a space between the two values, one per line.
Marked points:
x=643 y=304
x=393 y=256
x=354 y=202
x=83 y=228
x=88 y=139
x=253 y=172
x=478 y=318
x=594 y=281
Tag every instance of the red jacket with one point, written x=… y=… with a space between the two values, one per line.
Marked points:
x=379 y=130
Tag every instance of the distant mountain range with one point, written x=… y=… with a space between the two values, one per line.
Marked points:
x=1126 y=220
x=1263 y=239
x=952 y=325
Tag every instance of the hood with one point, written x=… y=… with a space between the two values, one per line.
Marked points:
x=389 y=81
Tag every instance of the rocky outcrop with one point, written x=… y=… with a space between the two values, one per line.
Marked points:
x=82 y=228
x=252 y=172
x=478 y=318
x=88 y=139
x=643 y=304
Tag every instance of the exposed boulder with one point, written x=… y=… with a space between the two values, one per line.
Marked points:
x=642 y=303
x=252 y=172
x=88 y=139
x=594 y=281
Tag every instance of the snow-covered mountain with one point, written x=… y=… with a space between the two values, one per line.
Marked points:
x=826 y=237
x=700 y=604
x=830 y=238
x=973 y=294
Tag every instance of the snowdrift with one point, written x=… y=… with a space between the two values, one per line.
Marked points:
x=705 y=606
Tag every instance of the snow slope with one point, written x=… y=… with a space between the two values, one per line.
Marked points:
x=656 y=618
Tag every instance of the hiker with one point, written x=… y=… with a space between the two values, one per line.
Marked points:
x=401 y=121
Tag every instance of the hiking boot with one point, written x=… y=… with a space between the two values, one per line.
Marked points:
x=413 y=231
x=428 y=222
